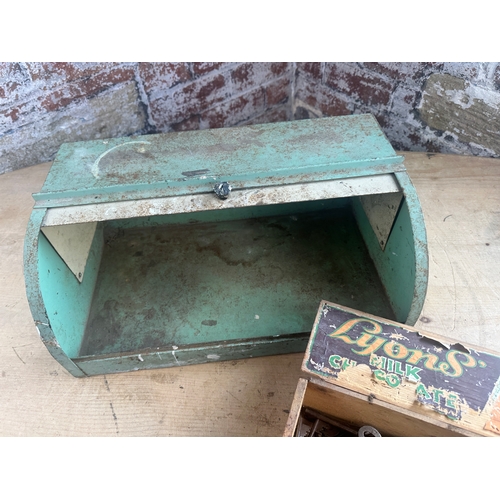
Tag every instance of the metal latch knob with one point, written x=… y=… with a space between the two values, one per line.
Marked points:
x=222 y=190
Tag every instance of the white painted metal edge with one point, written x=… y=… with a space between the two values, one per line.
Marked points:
x=272 y=195
x=72 y=243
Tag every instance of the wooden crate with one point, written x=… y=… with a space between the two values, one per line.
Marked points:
x=365 y=370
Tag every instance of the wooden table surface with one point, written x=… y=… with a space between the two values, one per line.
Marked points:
x=460 y=197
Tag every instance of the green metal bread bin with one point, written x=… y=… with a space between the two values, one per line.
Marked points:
x=182 y=248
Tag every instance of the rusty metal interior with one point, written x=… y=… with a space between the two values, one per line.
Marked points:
x=254 y=272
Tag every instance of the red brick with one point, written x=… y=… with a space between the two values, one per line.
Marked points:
x=321 y=97
x=12 y=114
x=404 y=70
x=196 y=96
x=242 y=75
x=362 y=85
x=159 y=110
x=87 y=87
x=410 y=99
x=249 y=75
x=4 y=69
x=382 y=120
x=405 y=97
x=201 y=68
x=237 y=110
x=191 y=123
x=10 y=70
x=273 y=115
x=201 y=95
x=427 y=145
x=392 y=70
x=467 y=71
x=159 y=76
x=276 y=115
x=329 y=104
x=60 y=98
x=12 y=79
x=66 y=71
x=16 y=111
x=310 y=69
x=277 y=92
x=279 y=68
x=186 y=100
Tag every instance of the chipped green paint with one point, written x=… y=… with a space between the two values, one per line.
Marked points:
x=149 y=166
x=220 y=283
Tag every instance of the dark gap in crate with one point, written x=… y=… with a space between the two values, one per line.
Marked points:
x=250 y=273
x=312 y=423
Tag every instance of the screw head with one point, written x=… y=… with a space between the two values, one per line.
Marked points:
x=222 y=190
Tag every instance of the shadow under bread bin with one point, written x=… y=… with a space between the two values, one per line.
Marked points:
x=182 y=248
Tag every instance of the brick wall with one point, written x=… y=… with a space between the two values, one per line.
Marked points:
x=435 y=107
x=445 y=107
x=43 y=105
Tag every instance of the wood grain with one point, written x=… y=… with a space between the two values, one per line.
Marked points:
x=355 y=409
x=460 y=197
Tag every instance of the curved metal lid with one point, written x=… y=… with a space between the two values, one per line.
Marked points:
x=159 y=165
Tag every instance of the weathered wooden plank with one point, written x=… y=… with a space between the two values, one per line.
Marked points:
x=245 y=397
x=460 y=198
